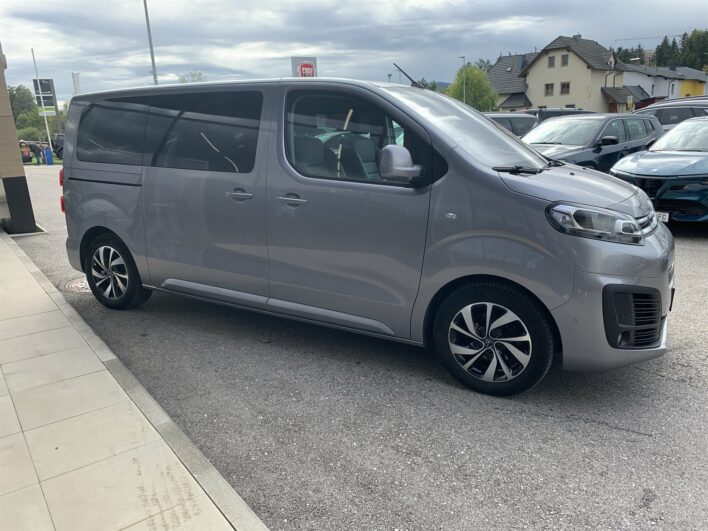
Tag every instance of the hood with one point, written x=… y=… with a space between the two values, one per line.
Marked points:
x=572 y=184
x=665 y=163
x=557 y=151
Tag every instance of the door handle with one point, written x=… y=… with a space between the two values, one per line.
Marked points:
x=239 y=195
x=292 y=200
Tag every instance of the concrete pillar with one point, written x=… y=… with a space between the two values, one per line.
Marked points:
x=16 y=214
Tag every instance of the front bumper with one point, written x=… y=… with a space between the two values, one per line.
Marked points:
x=582 y=325
x=684 y=198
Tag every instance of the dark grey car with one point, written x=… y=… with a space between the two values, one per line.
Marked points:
x=596 y=141
x=518 y=123
x=386 y=210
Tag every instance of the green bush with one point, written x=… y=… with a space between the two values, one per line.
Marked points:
x=31 y=133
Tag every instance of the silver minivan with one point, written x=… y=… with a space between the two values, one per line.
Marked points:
x=386 y=210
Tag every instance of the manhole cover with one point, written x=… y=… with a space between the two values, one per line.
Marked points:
x=79 y=285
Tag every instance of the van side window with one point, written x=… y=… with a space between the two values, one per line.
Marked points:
x=207 y=131
x=636 y=128
x=112 y=131
x=336 y=136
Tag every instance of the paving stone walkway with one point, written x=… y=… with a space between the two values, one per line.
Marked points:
x=81 y=442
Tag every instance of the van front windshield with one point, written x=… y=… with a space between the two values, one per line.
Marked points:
x=471 y=131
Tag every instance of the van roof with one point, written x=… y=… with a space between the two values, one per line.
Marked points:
x=173 y=87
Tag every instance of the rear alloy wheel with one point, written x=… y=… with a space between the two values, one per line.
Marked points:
x=494 y=338
x=112 y=275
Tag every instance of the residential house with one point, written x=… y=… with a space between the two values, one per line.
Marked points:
x=695 y=82
x=660 y=83
x=570 y=72
x=507 y=82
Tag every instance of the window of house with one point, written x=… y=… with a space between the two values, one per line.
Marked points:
x=570 y=106
x=207 y=131
x=652 y=90
x=564 y=59
x=337 y=136
x=112 y=131
x=549 y=89
x=636 y=127
x=565 y=87
x=551 y=61
x=672 y=88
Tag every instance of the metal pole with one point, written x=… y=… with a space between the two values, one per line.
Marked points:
x=389 y=78
x=41 y=100
x=152 y=51
x=464 y=79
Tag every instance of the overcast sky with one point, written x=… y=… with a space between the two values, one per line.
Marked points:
x=255 y=38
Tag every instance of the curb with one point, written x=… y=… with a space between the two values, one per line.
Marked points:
x=227 y=500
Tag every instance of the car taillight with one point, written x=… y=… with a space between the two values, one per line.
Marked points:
x=61 y=203
x=61 y=177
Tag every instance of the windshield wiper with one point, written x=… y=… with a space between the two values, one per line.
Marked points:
x=517 y=169
x=552 y=162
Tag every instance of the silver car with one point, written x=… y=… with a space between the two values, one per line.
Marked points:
x=386 y=210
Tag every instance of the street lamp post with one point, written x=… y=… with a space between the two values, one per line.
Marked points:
x=389 y=77
x=152 y=51
x=464 y=79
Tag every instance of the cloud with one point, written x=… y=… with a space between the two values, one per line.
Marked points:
x=255 y=38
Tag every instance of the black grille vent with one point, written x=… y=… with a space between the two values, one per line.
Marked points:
x=681 y=207
x=650 y=186
x=632 y=317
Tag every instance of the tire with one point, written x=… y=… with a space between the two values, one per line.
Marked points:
x=121 y=288
x=488 y=362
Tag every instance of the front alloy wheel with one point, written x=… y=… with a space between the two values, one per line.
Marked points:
x=494 y=337
x=490 y=342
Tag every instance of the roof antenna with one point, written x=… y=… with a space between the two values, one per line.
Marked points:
x=413 y=82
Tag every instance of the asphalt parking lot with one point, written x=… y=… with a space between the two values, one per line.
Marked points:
x=322 y=429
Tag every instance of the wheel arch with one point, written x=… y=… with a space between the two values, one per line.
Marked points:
x=457 y=283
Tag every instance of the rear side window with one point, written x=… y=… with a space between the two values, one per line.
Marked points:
x=206 y=131
x=636 y=128
x=521 y=126
x=675 y=115
x=112 y=131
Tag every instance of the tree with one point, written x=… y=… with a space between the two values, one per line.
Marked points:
x=192 y=77
x=478 y=92
x=21 y=100
x=663 y=52
x=31 y=133
x=675 y=52
x=694 y=48
x=639 y=51
x=484 y=64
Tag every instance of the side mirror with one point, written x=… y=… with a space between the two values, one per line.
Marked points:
x=650 y=143
x=608 y=141
x=397 y=165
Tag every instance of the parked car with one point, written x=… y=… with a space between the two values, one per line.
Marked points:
x=674 y=172
x=544 y=113
x=672 y=112
x=58 y=145
x=382 y=209
x=594 y=140
x=518 y=123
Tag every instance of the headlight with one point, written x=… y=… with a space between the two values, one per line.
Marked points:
x=594 y=223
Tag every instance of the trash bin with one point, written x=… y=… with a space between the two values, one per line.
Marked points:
x=48 y=160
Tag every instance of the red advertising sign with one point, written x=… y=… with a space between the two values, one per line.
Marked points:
x=306 y=69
